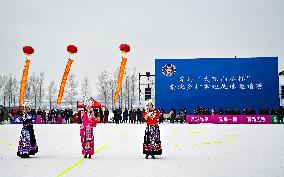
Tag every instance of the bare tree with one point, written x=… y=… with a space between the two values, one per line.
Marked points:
x=34 y=84
x=112 y=83
x=71 y=90
x=3 y=83
x=41 y=88
x=112 y=86
x=103 y=86
x=1 y=86
x=9 y=86
x=51 y=93
x=133 y=88
x=85 y=88
x=126 y=91
x=15 y=90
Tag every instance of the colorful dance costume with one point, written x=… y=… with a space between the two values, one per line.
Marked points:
x=86 y=132
x=27 y=144
x=152 y=142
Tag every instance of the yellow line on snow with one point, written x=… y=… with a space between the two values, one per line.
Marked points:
x=213 y=142
x=194 y=132
x=81 y=161
x=72 y=166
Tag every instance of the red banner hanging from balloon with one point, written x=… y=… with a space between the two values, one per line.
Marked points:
x=28 y=51
x=64 y=81
x=124 y=48
x=71 y=49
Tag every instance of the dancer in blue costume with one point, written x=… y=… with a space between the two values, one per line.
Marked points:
x=27 y=144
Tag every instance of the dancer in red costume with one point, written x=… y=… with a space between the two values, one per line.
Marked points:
x=152 y=143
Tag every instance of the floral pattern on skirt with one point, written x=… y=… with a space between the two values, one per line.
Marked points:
x=152 y=142
x=87 y=140
x=27 y=143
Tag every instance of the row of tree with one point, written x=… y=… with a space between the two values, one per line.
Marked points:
x=107 y=83
x=40 y=91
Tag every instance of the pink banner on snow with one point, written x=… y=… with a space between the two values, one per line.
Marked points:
x=229 y=119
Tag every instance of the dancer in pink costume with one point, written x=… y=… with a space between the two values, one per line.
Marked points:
x=89 y=121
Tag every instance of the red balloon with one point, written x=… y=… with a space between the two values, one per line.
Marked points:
x=72 y=49
x=28 y=50
x=124 y=47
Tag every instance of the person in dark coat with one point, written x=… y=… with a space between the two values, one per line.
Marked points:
x=125 y=115
x=43 y=117
x=116 y=116
x=120 y=115
x=129 y=116
x=71 y=113
x=133 y=116
x=161 y=116
x=33 y=112
x=181 y=116
x=56 y=114
x=143 y=118
x=78 y=116
x=1 y=116
x=173 y=115
x=101 y=116
x=280 y=115
x=67 y=117
x=50 y=117
x=106 y=113
x=139 y=115
x=96 y=113
x=39 y=112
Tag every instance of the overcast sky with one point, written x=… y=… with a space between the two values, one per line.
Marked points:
x=153 y=28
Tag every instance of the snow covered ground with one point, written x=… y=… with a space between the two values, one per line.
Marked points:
x=188 y=150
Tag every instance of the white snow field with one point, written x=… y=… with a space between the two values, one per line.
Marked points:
x=202 y=150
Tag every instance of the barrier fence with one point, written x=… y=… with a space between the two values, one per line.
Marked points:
x=190 y=119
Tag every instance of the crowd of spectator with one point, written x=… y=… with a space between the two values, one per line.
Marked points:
x=47 y=117
x=128 y=116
